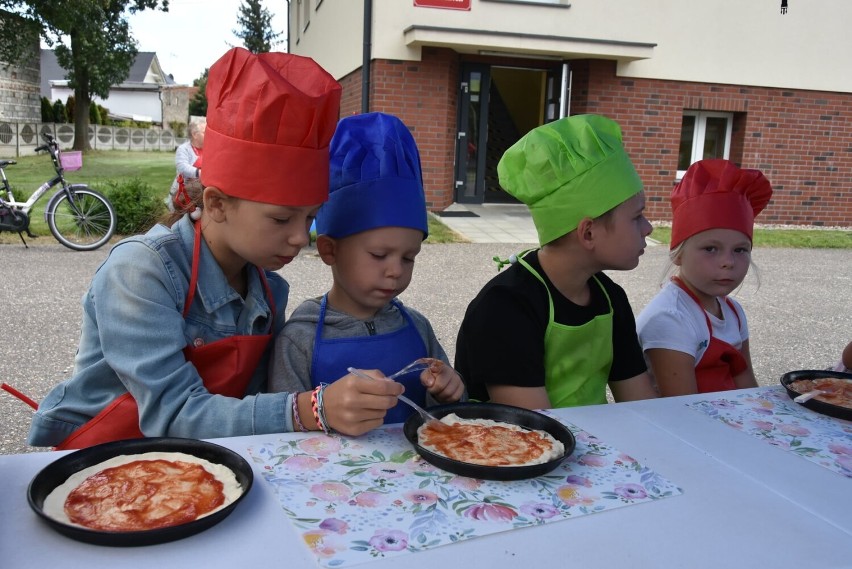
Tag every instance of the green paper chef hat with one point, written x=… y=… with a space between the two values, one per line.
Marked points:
x=567 y=170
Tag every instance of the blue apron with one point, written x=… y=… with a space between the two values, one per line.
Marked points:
x=387 y=352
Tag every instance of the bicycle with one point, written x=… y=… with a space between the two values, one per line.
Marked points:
x=79 y=217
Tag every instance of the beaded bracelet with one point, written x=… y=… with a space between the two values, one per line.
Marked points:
x=316 y=407
x=296 y=418
x=321 y=409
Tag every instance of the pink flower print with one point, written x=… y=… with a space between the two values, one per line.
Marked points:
x=539 y=510
x=301 y=463
x=465 y=483
x=630 y=491
x=389 y=540
x=626 y=458
x=331 y=491
x=323 y=543
x=583 y=437
x=369 y=499
x=794 y=430
x=388 y=470
x=594 y=460
x=844 y=461
x=579 y=481
x=485 y=512
x=335 y=525
x=320 y=446
x=763 y=425
x=421 y=497
x=572 y=497
x=840 y=449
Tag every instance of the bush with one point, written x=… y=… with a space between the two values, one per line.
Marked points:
x=137 y=206
x=46 y=110
x=59 y=115
x=94 y=114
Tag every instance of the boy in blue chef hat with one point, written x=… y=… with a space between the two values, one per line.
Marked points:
x=369 y=233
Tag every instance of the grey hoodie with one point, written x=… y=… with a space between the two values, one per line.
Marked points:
x=290 y=369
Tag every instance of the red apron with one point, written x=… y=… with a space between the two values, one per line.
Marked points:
x=721 y=361
x=225 y=366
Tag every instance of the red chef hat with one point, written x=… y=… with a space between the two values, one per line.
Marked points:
x=716 y=194
x=270 y=118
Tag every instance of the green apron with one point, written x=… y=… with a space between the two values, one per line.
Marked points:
x=577 y=359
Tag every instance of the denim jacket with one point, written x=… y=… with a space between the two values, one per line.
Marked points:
x=132 y=337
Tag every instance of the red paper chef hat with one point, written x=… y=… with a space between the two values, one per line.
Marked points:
x=270 y=118
x=716 y=194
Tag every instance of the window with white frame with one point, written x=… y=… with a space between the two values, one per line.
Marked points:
x=703 y=135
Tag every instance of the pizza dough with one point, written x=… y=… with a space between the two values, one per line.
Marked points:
x=490 y=443
x=836 y=391
x=145 y=491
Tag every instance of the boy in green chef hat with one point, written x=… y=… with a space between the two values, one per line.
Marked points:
x=563 y=329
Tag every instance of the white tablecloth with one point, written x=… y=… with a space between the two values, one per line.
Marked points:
x=745 y=503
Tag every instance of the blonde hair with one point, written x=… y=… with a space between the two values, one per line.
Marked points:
x=670 y=269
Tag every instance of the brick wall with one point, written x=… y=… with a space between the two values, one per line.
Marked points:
x=423 y=94
x=801 y=140
x=20 y=96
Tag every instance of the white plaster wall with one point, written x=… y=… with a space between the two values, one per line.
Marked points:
x=747 y=42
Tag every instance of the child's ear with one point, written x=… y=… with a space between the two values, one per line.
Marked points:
x=585 y=233
x=214 y=203
x=327 y=249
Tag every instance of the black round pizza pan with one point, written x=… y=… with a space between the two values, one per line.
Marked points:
x=496 y=412
x=814 y=404
x=57 y=472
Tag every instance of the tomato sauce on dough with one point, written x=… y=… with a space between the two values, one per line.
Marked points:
x=144 y=495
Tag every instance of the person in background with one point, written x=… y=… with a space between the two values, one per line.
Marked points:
x=178 y=324
x=369 y=233
x=554 y=330
x=187 y=163
x=694 y=336
x=845 y=363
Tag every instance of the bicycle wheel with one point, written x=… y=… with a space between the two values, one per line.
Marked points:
x=84 y=222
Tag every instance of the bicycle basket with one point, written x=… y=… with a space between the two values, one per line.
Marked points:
x=71 y=160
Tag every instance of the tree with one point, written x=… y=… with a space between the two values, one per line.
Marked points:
x=198 y=104
x=92 y=41
x=256 y=27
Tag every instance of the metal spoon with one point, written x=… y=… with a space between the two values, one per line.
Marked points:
x=427 y=417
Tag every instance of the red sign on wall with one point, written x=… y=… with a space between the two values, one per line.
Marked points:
x=449 y=4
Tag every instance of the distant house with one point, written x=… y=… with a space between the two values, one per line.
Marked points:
x=147 y=95
x=19 y=97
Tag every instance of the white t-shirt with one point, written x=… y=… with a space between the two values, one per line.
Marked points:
x=674 y=321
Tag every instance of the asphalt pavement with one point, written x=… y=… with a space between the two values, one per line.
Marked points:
x=798 y=313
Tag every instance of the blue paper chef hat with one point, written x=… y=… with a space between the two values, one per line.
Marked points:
x=375 y=178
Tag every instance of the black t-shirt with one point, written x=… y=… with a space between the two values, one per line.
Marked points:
x=501 y=339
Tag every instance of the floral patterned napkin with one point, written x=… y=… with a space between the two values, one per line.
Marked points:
x=354 y=500
x=772 y=416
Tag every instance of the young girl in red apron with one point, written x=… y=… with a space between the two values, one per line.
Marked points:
x=178 y=323
x=694 y=336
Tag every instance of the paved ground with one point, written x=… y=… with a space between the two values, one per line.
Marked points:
x=799 y=315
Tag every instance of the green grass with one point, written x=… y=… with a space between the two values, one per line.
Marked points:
x=784 y=238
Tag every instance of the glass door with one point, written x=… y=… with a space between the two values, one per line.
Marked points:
x=472 y=134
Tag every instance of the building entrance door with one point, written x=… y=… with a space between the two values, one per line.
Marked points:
x=472 y=133
x=497 y=106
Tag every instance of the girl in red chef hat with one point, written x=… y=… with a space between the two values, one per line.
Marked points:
x=694 y=336
x=178 y=323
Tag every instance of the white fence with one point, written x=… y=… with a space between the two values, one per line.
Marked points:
x=20 y=138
